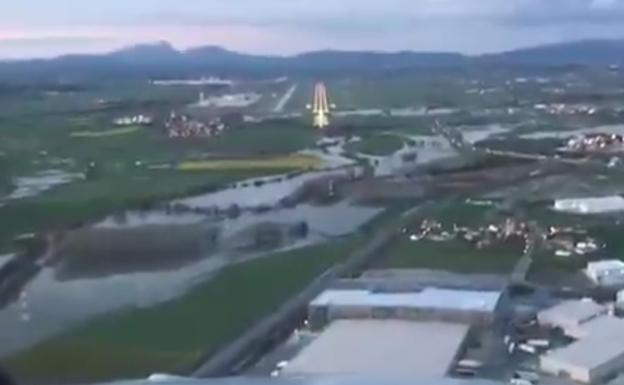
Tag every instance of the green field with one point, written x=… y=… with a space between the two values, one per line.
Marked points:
x=171 y=337
x=380 y=145
x=124 y=163
x=296 y=162
x=105 y=133
x=455 y=256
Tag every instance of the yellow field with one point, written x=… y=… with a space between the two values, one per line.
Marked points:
x=102 y=134
x=297 y=162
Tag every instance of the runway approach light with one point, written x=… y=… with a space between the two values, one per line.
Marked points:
x=321 y=107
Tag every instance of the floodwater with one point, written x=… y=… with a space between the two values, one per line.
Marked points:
x=422 y=111
x=4 y=258
x=50 y=305
x=608 y=129
x=477 y=134
x=264 y=191
x=428 y=149
x=34 y=185
x=397 y=112
x=333 y=154
x=360 y=112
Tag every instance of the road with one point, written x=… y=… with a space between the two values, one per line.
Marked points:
x=279 y=107
x=520 y=271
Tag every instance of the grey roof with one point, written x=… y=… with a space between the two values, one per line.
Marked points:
x=571 y=312
x=602 y=342
x=430 y=298
x=381 y=347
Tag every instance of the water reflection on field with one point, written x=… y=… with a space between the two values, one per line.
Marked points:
x=139 y=259
x=29 y=186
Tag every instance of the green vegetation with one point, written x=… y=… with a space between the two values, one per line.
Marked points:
x=271 y=137
x=461 y=213
x=130 y=169
x=172 y=336
x=455 y=255
x=380 y=145
x=296 y=161
x=101 y=134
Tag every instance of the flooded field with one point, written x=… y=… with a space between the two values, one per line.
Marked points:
x=265 y=191
x=30 y=186
x=477 y=134
x=608 y=129
x=139 y=259
x=398 y=112
x=423 y=150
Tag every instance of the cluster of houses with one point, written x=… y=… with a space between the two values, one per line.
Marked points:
x=141 y=120
x=565 y=109
x=183 y=126
x=596 y=143
x=482 y=236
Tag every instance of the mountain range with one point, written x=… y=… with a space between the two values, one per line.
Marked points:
x=162 y=60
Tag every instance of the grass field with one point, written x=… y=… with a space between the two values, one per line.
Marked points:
x=296 y=162
x=172 y=336
x=380 y=145
x=455 y=256
x=384 y=92
x=105 y=133
x=32 y=144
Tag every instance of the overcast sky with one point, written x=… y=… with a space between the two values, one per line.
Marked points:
x=38 y=28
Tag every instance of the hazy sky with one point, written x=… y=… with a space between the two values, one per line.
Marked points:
x=49 y=27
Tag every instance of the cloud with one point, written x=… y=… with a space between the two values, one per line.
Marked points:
x=287 y=26
x=38 y=41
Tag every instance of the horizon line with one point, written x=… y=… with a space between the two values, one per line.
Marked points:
x=163 y=42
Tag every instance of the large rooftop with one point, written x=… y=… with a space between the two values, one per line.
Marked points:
x=431 y=298
x=590 y=205
x=602 y=342
x=381 y=347
x=571 y=312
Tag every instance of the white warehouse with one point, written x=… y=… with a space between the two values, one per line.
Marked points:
x=595 y=357
x=572 y=316
x=590 y=205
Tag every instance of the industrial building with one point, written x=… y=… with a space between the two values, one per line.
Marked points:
x=590 y=205
x=596 y=356
x=382 y=347
x=606 y=273
x=464 y=306
x=571 y=316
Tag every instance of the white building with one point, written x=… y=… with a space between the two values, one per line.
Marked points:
x=606 y=273
x=229 y=100
x=596 y=356
x=590 y=205
x=382 y=347
x=571 y=316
